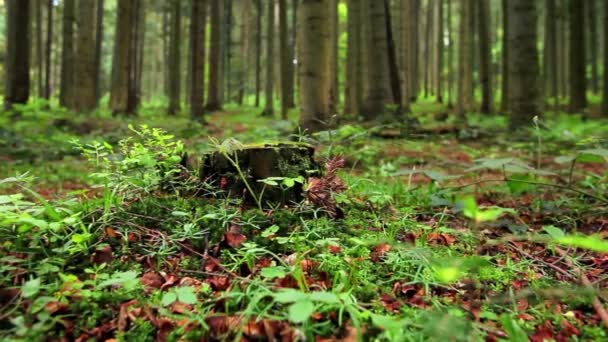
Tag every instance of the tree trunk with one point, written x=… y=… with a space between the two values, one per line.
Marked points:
x=123 y=97
x=465 y=58
x=392 y=57
x=314 y=59
x=214 y=87
x=485 y=55
x=428 y=50
x=504 y=100
x=285 y=57
x=523 y=62
x=450 y=56
x=198 y=23
x=353 y=59
x=258 y=55
x=49 y=48
x=377 y=92
x=140 y=35
x=406 y=87
x=578 y=92
x=39 y=49
x=292 y=53
x=439 y=52
x=175 y=58
x=269 y=79
x=85 y=93
x=67 y=54
x=17 y=65
x=333 y=70
x=593 y=43
x=550 y=53
x=98 y=50
x=605 y=78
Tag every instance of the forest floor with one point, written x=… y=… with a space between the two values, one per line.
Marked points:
x=449 y=232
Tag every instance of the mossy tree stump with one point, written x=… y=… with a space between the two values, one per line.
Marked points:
x=267 y=170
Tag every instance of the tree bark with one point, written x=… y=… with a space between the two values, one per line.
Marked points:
x=314 y=59
x=175 y=58
x=406 y=87
x=578 y=84
x=258 y=55
x=198 y=23
x=353 y=59
x=605 y=76
x=485 y=55
x=523 y=62
x=214 y=87
x=504 y=100
x=39 y=49
x=17 y=65
x=465 y=58
x=85 y=91
x=450 y=56
x=98 y=50
x=334 y=30
x=377 y=92
x=392 y=57
x=285 y=57
x=292 y=53
x=593 y=43
x=550 y=53
x=67 y=53
x=269 y=79
x=49 y=48
x=439 y=52
x=123 y=97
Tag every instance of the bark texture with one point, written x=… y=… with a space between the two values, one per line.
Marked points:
x=578 y=84
x=85 y=87
x=198 y=23
x=214 y=88
x=18 y=49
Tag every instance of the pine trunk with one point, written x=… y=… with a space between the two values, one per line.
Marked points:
x=465 y=58
x=67 y=53
x=49 y=49
x=85 y=91
x=17 y=67
x=198 y=23
x=123 y=97
x=485 y=55
x=269 y=79
x=175 y=58
x=578 y=97
x=214 y=87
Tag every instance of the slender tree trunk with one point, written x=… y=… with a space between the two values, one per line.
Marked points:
x=269 y=87
x=198 y=23
x=139 y=33
x=550 y=53
x=285 y=57
x=406 y=36
x=428 y=50
x=415 y=48
x=314 y=59
x=39 y=49
x=392 y=57
x=353 y=59
x=465 y=58
x=292 y=54
x=605 y=75
x=123 y=97
x=439 y=51
x=165 y=42
x=214 y=88
x=578 y=96
x=450 y=56
x=85 y=94
x=485 y=55
x=227 y=52
x=17 y=65
x=593 y=43
x=377 y=92
x=67 y=53
x=504 y=100
x=523 y=62
x=49 y=49
x=98 y=50
x=175 y=58
x=334 y=27
x=245 y=36
x=258 y=55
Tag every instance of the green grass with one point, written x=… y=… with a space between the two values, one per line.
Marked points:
x=425 y=251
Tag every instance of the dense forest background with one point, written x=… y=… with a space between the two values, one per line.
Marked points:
x=358 y=58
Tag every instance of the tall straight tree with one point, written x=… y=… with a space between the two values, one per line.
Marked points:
x=313 y=63
x=67 y=53
x=99 y=47
x=504 y=87
x=439 y=51
x=550 y=52
x=605 y=62
x=578 y=84
x=523 y=62
x=393 y=65
x=485 y=55
x=334 y=31
x=591 y=7
x=85 y=90
x=49 y=49
x=269 y=79
x=214 y=99
x=39 y=48
x=124 y=97
x=17 y=65
x=175 y=58
x=465 y=57
x=450 y=51
x=258 y=55
x=353 y=88
x=198 y=23
x=377 y=92
x=286 y=58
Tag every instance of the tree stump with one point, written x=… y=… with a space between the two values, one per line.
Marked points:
x=273 y=172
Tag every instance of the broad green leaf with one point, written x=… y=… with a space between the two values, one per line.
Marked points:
x=31 y=288
x=565 y=159
x=554 y=232
x=289 y=296
x=492 y=214
x=515 y=332
x=301 y=311
x=273 y=272
x=600 y=152
x=324 y=297
x=168 y=298
x=186 y=294
x=593 y=242
x=516 y=186
x=448 y=274
x=270 y=231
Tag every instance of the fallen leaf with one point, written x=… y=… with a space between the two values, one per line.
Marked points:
x=391 y=303
x=380 y=251
x=219 y=283
x=543 y=332
x=334 y=249
x=56 y=307
x=102 y=256
x=441 y=239
x=233 y=237
x=152 y=281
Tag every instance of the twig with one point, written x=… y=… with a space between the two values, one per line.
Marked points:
x=528 y=255
x=597 y=304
